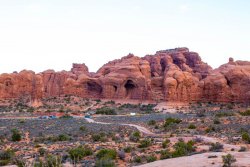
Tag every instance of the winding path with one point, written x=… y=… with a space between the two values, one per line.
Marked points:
x=140 y=128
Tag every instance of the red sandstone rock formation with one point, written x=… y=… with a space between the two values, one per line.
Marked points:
x=169 y=75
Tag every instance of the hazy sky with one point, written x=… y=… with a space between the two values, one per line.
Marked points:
x=52 y=34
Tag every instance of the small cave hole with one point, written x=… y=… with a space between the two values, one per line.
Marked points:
x=94 y=87
x=115 y=87
x=130 y=86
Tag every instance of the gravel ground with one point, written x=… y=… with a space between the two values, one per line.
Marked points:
x=139 y=118
x=57 y=126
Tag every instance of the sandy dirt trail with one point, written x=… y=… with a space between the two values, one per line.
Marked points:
x=140 y=128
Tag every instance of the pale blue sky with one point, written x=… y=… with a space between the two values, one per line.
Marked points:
x=53 y=34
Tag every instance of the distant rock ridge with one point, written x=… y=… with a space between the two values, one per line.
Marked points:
x=169 y=75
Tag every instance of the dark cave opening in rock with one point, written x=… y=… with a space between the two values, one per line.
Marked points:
x=163 y=65
x=129 y=86
x=94 y=88
x=115 y=87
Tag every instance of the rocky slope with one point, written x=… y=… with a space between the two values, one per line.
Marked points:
x=169 y=75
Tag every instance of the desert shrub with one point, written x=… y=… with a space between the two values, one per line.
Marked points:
x=151 y=158
x=129 y=106
x=230 y=106
x=51 y=161
x=98 y=100
x=106 y=153
x=6 y=157
x=183 y=149
x=128 y=149
x=96 y=137
x=61 y=110
x=109 y=102
x=145 y=143
x=151 y=122
x=245 y=113
x=216 y=121
x=224 y=114
x=228 y=160
x=78 y=153
x=171 y=121
x=165 y=143
x=99 y=137
x=106 y=111
x=216 y=147
x=16 y=135
x=104 y=162
x=82 y=128
x=20 y=162
x=63 y=137
x=210 y=129
x=42 y=151
x=245 y=137
x=165 y=154
x=22 y=121
x=149 y=108
x=135 y=136
x=191 y=126
x=30 y=109
x=137 y=159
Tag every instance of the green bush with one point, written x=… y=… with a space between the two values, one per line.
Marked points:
x=151 y=122
x=171 y=121
x=135 y=136
x=106 y=111
x=183 y=149
x=63 y=137
x=20 y=162
x=245 y=137
x=4 y=162
x=165 y=143
x=137 y=159
x=216 y=121
x=228 y=160
x=6 y=157
x=165 y=154
x=78 y=153
x=245 y=113
x=128 y=149
x=147 y=108
x=82 y=128
x=99 y=137
x=30 y=109
x=42 y=151
x=224 y=114
x=216 y=147
x=145 y=143
x=50 y=161
x=191 y=126
x=16 y=135
x=210 y=129
x=106 y=153
x=151 y=158
x=104 y=162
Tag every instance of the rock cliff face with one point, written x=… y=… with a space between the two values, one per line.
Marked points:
x=169 y=75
